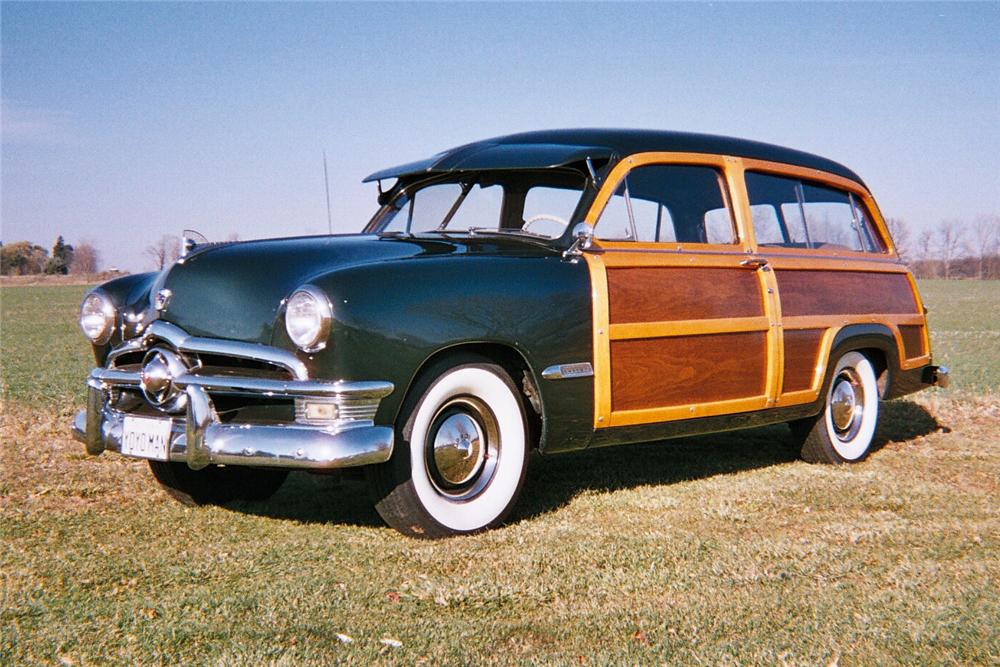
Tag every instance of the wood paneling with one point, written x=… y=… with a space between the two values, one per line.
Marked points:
x=657 y=372
x=843 y=292
x=801 y=350
x=913 y=340
x=656 y=294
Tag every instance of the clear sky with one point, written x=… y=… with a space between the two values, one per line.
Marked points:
x=123 y=122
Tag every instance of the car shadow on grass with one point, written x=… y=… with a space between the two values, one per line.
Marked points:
x=310 y=498
x=552 y=481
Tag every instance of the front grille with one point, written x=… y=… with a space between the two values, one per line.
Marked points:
x=215 y=364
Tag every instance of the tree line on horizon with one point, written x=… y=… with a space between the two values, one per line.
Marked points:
x=951 y=250
x=23 y=258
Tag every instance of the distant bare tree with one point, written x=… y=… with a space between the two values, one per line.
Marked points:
x=925 y=247
x=233 y=237
x=951 y=240
x=899 y=230
x=985 y=240
x=165 y=251
x=86 y=259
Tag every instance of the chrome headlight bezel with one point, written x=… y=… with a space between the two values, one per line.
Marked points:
x=96 y=305
x=308 y=302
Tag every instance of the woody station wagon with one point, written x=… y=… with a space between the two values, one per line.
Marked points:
x=549 y=290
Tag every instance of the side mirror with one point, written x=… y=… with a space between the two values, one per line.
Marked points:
x=583 y=239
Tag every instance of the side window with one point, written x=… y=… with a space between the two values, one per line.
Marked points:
x=668 y=203
x=791 y=213
x=765 y=224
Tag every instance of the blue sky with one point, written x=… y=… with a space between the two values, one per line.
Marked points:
x=123 y=122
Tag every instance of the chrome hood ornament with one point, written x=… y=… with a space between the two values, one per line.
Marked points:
x=162 y=299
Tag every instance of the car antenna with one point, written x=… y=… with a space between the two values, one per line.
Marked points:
x=326 y=179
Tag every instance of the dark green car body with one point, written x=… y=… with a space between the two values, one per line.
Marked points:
x=439 y=346
x=397 y=305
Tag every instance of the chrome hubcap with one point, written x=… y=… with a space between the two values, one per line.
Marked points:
x=847 y=404
x=463 y=446
x=458 y=449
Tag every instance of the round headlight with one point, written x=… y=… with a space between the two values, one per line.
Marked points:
x=307 y=318
x=97 y=317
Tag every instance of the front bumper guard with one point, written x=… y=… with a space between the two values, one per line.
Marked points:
x=200 y=439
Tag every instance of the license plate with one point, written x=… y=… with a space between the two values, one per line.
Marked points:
x=146 y=438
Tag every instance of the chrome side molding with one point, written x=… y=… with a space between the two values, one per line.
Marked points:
x=568 y=371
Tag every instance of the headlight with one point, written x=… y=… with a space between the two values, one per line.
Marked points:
x=307 y=318
x=97 y=317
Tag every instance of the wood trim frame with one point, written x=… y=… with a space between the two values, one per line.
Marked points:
x=634 y=330
x=612 y=254
x=732 y=173
x=858 y=190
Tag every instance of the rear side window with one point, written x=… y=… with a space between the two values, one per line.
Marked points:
x=794 y=213
x=668 y=203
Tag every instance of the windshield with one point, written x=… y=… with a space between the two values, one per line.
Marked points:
x=537 y=206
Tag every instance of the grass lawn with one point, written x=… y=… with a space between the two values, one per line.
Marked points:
x=718 y=549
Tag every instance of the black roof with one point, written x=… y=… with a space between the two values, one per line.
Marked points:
x=554 y=148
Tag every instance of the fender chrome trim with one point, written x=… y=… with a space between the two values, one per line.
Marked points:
x=582 y=369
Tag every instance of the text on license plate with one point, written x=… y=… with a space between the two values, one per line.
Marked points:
x=146 y=438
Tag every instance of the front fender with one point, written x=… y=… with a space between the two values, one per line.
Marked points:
x=128 y=293
x=391 y=317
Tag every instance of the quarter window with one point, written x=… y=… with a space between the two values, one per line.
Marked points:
x=792 y=213
x=668 y=203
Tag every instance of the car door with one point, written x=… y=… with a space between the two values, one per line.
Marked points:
x=685 y=321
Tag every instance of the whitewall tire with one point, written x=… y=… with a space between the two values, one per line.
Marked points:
x=460 y=453
x=844 y=431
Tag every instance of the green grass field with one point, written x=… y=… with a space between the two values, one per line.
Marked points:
x=719 y=549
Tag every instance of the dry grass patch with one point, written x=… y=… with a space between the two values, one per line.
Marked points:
x=721 y=549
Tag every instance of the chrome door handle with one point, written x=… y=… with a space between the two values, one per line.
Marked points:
x=754 y=263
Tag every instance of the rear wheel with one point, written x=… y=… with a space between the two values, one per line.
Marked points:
x=844 y=431
x=460 y=455
x=216 y=485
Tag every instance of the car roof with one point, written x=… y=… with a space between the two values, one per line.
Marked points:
x=555 y=148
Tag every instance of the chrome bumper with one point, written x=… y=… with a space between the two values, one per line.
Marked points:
x=201 y=439
x=940 y=377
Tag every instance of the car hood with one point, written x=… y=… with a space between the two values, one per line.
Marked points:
x=235 y=291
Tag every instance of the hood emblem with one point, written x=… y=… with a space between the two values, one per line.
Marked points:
x=161 y=299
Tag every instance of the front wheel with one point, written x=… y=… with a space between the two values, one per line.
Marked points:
x=460 y=455
x=844 y=431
